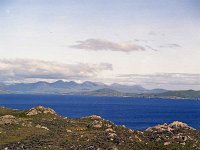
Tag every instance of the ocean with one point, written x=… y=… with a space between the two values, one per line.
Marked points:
x=134 y=113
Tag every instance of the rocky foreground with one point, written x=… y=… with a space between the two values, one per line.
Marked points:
x=43 y=128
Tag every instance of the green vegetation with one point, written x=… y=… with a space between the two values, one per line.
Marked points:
x=190 y=94
x=42 y=128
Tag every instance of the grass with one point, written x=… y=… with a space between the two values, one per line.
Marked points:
x=68 y=133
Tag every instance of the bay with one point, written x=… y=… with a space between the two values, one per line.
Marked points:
x=134 y=113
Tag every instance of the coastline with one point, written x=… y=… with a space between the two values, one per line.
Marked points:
x=137 y=97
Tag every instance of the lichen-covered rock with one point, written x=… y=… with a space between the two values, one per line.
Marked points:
x=97 y=124
x=42 y=127
x=94 y=117
x=109 y=130
x=40 y=110
x=178 y=124
x=167 y=143
x=169 y=127
x=177 y=133
x=8 y=119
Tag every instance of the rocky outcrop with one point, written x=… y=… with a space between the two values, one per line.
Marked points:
x=8 y=119
x=40 y=110
x=174 y=133
x=94 y=117
x=41 y=127
x=169 y=127
x=97 y=124
x=178 y=125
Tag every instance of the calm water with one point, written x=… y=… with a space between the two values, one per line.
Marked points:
x=131 y=112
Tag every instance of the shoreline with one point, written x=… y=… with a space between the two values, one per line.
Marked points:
x=156 y=97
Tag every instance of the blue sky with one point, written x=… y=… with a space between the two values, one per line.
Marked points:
x=147 y=42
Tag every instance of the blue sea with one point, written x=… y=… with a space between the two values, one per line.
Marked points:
x=134 y=113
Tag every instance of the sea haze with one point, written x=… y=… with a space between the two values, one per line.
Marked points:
x=135 y=113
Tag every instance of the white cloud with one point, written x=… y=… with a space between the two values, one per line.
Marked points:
x=22 y=69
x=170 y=45
x=28 y=70
x=100 y=44
x=163 y=80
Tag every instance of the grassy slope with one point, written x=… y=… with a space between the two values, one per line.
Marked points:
x=83 y=133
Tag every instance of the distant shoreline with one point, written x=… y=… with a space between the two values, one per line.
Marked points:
x=169 y=98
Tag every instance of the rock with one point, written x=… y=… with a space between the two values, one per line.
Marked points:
x=69 y=131
x=158 y=128
x=130 y=131
x=169 y=127
x=109 y=130
x=40 y=110
x=112 y=135
x=183 y=143
x=42 y=127
x=158 y=139
x=97 y=124
x=115 y=148
x=8 y=119
x=136 y=137
x=95 y=117
x=29 y=124
x=167 y=143
x=178 y=124
x=185 y=138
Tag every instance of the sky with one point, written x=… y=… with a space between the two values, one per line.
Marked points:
x=151 y=43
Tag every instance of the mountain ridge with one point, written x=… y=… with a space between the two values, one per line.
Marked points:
x=68 y=87
x=95 y=89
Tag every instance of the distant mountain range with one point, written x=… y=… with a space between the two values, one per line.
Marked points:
x=61 y=87
x=93 y=88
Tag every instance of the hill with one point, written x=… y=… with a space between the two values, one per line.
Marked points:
x=43 y=128
x=186 y=94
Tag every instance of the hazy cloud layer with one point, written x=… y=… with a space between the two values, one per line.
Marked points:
x=22 y=69
x=161 y=45
x=149 y=47
x=163 y=80
x=169 y=45
x=99 y=45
